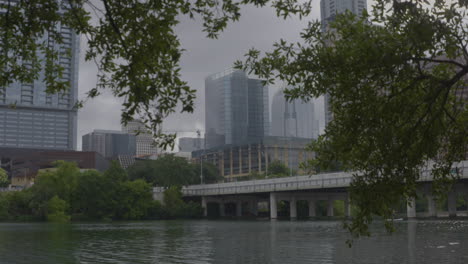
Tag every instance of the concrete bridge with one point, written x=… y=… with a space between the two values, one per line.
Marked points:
x=245 y=196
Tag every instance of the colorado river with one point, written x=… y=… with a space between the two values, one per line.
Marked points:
x=205 y=241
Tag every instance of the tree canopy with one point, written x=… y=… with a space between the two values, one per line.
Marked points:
x=132 y=42
x=65 y=193
x=169 y=170
x=4 y=182
x=277 y=168
x=397 y=82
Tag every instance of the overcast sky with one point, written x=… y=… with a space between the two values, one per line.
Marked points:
x=258 y=27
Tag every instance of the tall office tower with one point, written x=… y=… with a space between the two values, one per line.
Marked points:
x=144 y=139
x=236 y=109
x=328 y=11
x=189 y=144
x=330 y=8
x=39 y=120
x=293 y=119
x=109 y=143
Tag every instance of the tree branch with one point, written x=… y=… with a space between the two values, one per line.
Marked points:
x=439 y=61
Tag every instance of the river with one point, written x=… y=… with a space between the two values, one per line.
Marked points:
x=205 y=241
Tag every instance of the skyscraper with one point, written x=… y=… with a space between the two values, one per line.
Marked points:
x=328 y=11
x=110 y=143
x=330 y=8
x=293 y=119
x=144 y=139
x=39 y=120
x=236 y=109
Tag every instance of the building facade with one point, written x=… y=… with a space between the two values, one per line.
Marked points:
x=234 y=161
x=189 y=144
x=236 y=109
x=330 y=8
x=22 y=165
x=110 y=143
x=32 y=118
x=328 y=11
x=144 y=139
x=293 y=119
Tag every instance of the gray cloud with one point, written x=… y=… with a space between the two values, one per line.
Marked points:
x=258 y=27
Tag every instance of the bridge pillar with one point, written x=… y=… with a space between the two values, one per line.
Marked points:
x=273 y=206
x=204 y=206
x=311 y=208
x=222 y=211
x=330 y=208
x=293 y=207
x=347 y=207
x=431 y=206
x=239 y=208
x=254 y=207
x=411 y=208
x=452 y=203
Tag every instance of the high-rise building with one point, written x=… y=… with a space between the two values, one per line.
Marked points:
x=330 y=8
x=293 y=119
x=189 y=144
x=40 y=120
x=328 y=11
x=236 y=109
x=144 y=139
x=110 y=143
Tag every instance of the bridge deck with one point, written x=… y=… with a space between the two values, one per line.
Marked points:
x=319 y=181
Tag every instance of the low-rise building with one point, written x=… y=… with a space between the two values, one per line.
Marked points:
x=235 y=161
x=23 y=165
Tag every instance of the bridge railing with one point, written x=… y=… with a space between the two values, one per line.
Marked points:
x=319 y=181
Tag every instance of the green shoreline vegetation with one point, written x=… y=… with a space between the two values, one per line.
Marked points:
x=67 y=193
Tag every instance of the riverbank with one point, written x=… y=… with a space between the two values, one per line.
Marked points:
x=68 y=194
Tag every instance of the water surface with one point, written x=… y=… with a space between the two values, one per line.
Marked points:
x=279 y=242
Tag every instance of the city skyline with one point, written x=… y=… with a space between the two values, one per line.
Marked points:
x=103 y=112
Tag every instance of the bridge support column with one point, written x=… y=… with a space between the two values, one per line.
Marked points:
x=347 y=207
x=311 y=208
x=254 y=207
x=411 y=208
x=204 y=206
x=293 y=208
x=330 y=208
x=222 y=211
x=273 y=206
x=452 y=203
x=238 y=208
x=431 y=206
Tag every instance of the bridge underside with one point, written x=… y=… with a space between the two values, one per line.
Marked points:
x=328 y=203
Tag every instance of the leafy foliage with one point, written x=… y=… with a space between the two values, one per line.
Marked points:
x=169 y=170
x=56 y=210
x=132 y=42
x=65 y=194
x=395 y=79
x=4 y=182
x=277 y=169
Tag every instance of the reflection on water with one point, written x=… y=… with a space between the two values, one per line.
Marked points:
x=231 y=242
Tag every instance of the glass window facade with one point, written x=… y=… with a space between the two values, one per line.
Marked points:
x=31 y=118
x=236 y=109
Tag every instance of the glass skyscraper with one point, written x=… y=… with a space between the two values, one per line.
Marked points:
x=236 y=109
x=31 y=118
x=110 y=143
x=328 y=11
x=293 y=119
